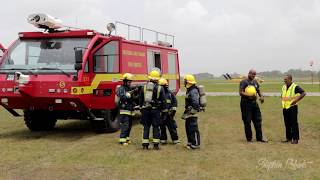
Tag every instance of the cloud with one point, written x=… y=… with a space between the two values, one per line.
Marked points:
x=192 y=11
x=211 y=35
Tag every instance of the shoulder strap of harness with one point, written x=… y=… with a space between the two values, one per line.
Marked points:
x=158 y=91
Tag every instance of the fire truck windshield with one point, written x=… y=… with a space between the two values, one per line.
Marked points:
x=43 y=55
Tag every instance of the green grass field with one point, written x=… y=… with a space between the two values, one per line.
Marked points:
x=267 y=86
x=72 y=151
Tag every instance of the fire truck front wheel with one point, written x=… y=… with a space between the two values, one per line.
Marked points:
x=39 y=120
x=108 y=121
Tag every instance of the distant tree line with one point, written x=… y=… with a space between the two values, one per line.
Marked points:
x=296 y=73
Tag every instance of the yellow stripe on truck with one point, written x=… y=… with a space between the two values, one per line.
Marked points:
x=99 y=78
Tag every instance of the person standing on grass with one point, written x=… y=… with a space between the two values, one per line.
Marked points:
x=190 y=115
x=249 y=88
x=151 y=101
x=125 y=108
x=167 y=116
x=291 y=95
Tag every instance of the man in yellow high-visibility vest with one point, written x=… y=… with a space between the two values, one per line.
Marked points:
x=291 y=95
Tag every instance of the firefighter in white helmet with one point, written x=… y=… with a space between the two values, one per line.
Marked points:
x=192 y=107
x=125 y=95
x=167 y=116
x=151 y=104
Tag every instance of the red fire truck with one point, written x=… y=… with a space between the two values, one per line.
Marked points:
x=64 y=73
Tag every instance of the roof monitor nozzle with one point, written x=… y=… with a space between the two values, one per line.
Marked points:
x=45 y=21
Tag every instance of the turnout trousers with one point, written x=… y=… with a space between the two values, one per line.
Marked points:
x=192 y=131
x=150 y=117
x=170 y=123
x=125 y=127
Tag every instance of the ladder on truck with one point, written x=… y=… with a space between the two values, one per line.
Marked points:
x=160 y=38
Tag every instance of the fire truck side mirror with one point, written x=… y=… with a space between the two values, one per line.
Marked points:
x=78 y=56
x=78 y=59
x=78 y=67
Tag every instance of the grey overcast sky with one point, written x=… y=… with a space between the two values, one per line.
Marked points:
x=212 y=35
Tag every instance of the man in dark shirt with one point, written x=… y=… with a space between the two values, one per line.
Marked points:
x=249 y=107
x=291 y=95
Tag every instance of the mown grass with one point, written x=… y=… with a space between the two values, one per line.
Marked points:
x=267 y=86
x=72 y=151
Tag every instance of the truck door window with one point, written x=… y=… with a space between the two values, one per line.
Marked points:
x=106 y=59
x=153 y=60
x=172 y=64
x=157 y=60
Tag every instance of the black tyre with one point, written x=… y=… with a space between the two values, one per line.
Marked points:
x=109 y=122
x=39 y=120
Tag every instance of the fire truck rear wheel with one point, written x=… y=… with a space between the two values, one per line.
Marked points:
x=109 y=124
x=39 y=120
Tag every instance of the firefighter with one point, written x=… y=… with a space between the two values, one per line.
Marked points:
x=125 y=95
x=248 y=90
x=291 y=95
x=167 y=116
x=151 y=104
x=192 y=107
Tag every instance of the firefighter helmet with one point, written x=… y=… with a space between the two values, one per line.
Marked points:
x=154 y=75
x=163 y=82
x=190 y=79
x=127 y=77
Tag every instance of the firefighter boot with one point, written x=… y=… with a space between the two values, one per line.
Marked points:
x=156 y=147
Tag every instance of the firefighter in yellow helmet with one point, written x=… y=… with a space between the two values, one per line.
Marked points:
x=151 y=102
x=125 y=104
x=192 y=107
x=167 y=116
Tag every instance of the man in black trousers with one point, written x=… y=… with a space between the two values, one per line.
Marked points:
x=249 y=107
x=291 y=95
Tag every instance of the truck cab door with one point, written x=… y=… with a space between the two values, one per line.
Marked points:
x=105 y=60
x=168 y=63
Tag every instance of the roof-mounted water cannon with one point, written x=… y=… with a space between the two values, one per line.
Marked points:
x=111 y=27
x=45 y=21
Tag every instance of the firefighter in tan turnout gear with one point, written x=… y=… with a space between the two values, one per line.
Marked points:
x=151 y=102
